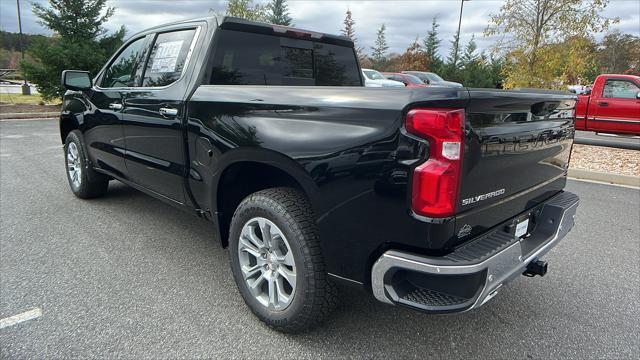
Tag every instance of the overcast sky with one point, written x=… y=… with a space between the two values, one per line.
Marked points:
x=404 y=19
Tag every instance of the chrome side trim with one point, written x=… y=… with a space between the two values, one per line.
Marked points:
x=501 y=267
x=615 y=120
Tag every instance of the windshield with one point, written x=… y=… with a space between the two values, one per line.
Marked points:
x=373 y=75
x=434 y=77
x=413 y=79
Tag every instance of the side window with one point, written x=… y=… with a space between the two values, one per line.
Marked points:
x=168 y=58
x=243 y=58
x=121 y=71
x=620 y=89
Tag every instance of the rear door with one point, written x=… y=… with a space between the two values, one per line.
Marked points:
x=618 y=109
x=153 y=115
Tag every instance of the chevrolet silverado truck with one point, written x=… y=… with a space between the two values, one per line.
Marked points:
x=427 y=198
x=612 y=106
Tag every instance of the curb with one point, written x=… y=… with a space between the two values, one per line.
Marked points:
x=29 y=115
x=610 y=178
x=607 y=143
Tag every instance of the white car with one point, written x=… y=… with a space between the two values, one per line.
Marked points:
x=373 y=78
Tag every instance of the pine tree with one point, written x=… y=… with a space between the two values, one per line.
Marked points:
x=469 y=56
x=453 y=52
x=78 y=19
x=350 y=32
x=278 y=13
x=431 y=44
x=80 y=42
x=379 y=53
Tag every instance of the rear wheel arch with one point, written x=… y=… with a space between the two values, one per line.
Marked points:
x=239 y=179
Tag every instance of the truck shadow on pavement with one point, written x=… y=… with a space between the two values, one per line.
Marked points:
x=360 y=324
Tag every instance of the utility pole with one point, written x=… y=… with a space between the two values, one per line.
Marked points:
x=456 y=45
x=26 y=90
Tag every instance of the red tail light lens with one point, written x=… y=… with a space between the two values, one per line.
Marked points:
x=437 y=181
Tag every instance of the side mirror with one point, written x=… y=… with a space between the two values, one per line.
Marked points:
x=587 y=92
x=427 y=82
x=76 y=80
x=638 y=95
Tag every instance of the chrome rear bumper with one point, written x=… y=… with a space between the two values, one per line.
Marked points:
x=473 y=273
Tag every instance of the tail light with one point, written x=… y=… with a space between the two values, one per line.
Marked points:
x=437 y=181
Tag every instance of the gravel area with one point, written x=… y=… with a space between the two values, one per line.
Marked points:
x=606 y=159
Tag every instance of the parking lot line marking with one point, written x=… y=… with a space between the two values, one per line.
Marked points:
x=602 y=183
x=17 y=319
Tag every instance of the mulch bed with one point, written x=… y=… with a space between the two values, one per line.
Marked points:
x=6 y=108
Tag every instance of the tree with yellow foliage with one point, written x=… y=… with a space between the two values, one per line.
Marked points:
x=532 y=33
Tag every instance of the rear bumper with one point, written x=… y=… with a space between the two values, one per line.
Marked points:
x=474 y=272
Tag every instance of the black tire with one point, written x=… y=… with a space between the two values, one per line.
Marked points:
x=315 y=295
x=91 y=184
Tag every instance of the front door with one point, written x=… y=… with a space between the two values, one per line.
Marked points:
x=618 y=110
x=103 y=131
x=153 y=114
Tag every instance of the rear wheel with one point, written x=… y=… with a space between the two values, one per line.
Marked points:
x=84 y=182
x=276 y=260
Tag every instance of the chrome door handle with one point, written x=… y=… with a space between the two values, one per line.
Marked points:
x=168 y=112
x=115 y=106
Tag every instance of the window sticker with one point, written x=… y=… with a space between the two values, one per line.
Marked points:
x=166 y=57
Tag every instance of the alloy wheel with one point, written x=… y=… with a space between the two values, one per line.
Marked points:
x=74 y=168
x=267 y=263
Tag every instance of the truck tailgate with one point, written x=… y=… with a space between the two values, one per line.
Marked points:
x=516 y=155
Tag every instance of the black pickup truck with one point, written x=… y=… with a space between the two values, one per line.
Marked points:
x=429 y=198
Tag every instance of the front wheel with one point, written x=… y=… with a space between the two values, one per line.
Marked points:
x=277 y=262
x=84 y=182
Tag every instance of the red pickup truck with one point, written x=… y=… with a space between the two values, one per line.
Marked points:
x=612 y=106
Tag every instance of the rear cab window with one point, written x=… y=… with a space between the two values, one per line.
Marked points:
x=246 y=58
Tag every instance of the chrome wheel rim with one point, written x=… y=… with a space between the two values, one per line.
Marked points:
x=267 y=263
x=74 y=169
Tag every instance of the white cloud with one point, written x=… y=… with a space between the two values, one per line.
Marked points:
x=404 y=19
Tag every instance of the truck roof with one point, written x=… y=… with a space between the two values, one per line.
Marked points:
x=234 y=23
x=239 y=24
x=621 y=76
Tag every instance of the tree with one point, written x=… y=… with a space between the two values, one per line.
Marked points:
x=278 y=13
x=431 y=44
x=79 y=42
x=74 y=19
x=619 y=54
x=579 y=60
x=469 y=56
x=413 y=58
x=246 y=9
x=350 y=32
x=533 y=25
x=474 y=70
x=379 y=51
x=452 y=58
x=450 y=70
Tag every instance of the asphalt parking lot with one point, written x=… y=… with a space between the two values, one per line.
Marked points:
x=128 y=276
